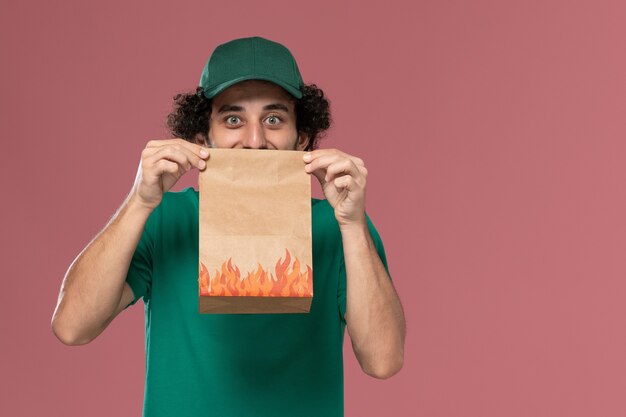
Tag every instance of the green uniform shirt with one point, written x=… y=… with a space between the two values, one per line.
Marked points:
x=237 y=365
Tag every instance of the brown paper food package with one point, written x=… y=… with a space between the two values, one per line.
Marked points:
x=255 y=246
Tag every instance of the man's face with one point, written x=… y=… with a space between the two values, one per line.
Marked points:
x=254 y=114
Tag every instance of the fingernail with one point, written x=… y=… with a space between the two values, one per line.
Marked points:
x=204 y=152
x=307 y=156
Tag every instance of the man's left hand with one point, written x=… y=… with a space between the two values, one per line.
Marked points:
x=343 y=180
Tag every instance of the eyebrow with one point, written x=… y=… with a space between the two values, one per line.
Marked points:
x=274 y=106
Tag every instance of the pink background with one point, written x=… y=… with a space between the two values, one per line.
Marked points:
x=494 y=136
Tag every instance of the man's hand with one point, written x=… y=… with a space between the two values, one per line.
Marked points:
x=343 y=180
x=374 y=315
x=93 y=291
x=163 y=162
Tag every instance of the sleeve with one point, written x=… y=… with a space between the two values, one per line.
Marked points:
x=341 y=291
x=139 y=275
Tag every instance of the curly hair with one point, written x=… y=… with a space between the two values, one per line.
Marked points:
x=191 y=112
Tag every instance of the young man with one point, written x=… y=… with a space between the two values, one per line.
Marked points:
x=251 y=95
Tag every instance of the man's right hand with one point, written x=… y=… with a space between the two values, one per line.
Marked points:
x=162 y=164
x=93 y=291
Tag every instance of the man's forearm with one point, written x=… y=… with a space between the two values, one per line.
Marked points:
x=374 y=314
x=93 y=284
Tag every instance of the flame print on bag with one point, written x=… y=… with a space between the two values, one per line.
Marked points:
x=284 y=282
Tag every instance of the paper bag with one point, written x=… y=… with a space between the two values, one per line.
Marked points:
x=255 y=247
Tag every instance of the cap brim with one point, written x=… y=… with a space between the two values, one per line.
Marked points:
x=221 y=87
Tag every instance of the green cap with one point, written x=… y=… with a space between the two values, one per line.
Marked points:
x=252 y=58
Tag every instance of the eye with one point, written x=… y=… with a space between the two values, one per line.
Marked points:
x=273 y=120
x=231 y=120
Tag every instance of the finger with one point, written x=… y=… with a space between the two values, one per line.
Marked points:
x=345 y=182
x=170 y=174
x=320 y=163
x=154 y=173
x=178 y=153
x=171 y=154
x=318 y=153
x=341 y=168
x=181 y=143
x=163 y=166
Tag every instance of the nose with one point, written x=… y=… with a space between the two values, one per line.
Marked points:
x=255 y=137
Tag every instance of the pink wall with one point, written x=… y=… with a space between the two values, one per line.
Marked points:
x=494 y=137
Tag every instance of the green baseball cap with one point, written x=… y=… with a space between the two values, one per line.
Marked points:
x=253 y=58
